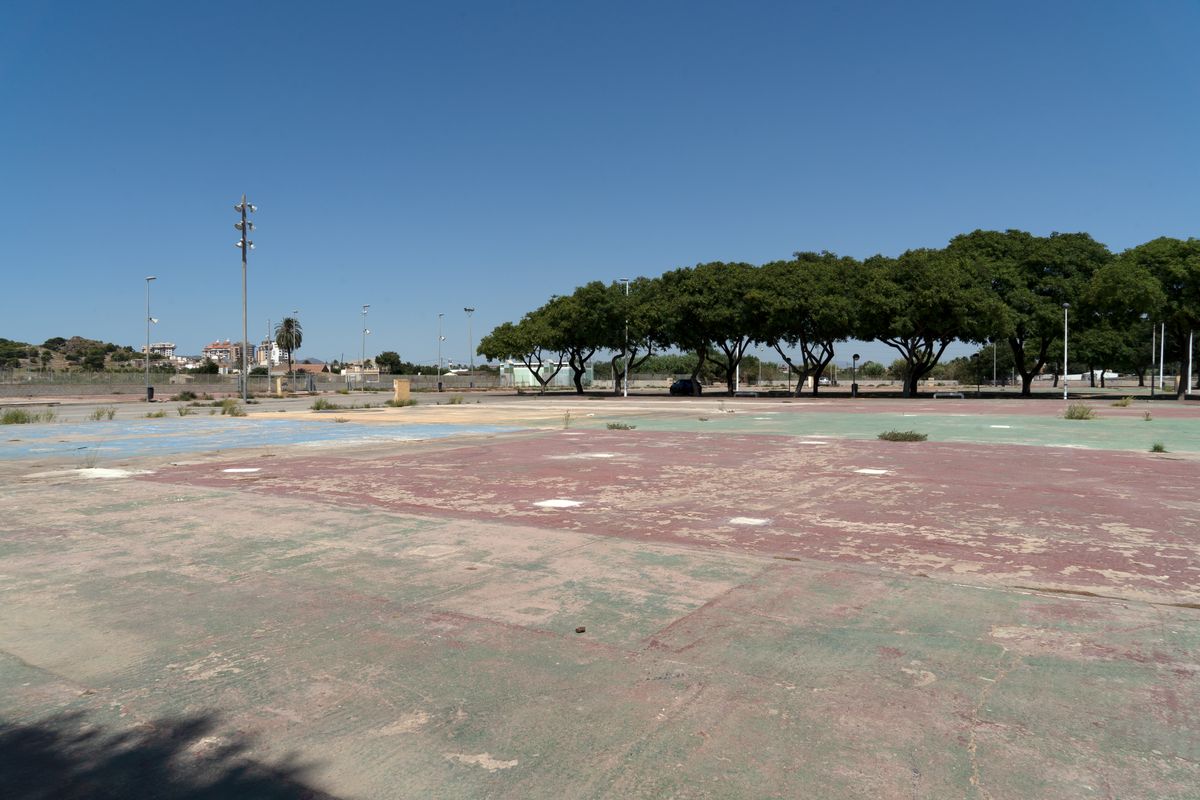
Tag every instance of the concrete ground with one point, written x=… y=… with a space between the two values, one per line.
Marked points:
x=743 y=598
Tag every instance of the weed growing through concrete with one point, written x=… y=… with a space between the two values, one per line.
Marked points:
x=1158 y=447
x=1079 y=411
x=90 y=456
x=321 y=404
x=1124 y=402
x=232 y=408
x=412 y=401
x=456 y=400
x=185 y=395
x=620 y=426
x=903 y=436
x=703 y=419
x=566 y=420
x=340 y=419
x=103 y=412
x=184 y=411
x=1146 y=416
x=156 y=414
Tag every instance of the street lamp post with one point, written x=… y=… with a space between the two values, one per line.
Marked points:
x=854 y=375
x=149 y=320
x=267 y=355
x=362 y=364
x=625 y=355
x=244 y=226
x=470 y=347
x=440 y=340
x=1066 y=310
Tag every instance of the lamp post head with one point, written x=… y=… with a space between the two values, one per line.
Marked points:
x=1066 y=306
x=855 y=356
x=469 y=310
x=151 y=278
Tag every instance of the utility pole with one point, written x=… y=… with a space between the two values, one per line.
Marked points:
x=362 y=364
x=1162 y=352
x=267 y=356
x=470 y=349
x=440 y=340
x=244 y=226
x=149 y=319
x=625 y=355
x=1066 y=309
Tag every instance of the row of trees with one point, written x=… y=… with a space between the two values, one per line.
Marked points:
x=1006 y=287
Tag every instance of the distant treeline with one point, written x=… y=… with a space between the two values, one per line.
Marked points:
x=1008 y=287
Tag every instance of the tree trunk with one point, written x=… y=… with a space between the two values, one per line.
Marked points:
x=617 y=377
x=1026 y=384
x=701 y=357
x=1141 y=373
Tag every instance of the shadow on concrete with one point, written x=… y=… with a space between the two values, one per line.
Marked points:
x=68 y=758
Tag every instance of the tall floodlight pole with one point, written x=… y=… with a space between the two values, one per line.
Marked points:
x=440 y=340
x=470 y=349
x=267 y=356
x=1188 y=390
x=362 y=364
x=149 y=320
x=1066 y=309
x=470 y=340
x=1162 y=353
x=244 y=226
x=625 y=355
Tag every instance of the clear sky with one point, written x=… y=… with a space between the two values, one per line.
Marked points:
x=423 y=157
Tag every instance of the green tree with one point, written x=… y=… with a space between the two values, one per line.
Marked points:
x=921 y=302
x=1032 y=276
x=1175 y=266
x=389 y=362
x=806 y=304
x=872 y=369
x=640 y=326
x=531 y=341
x=711 y=310
x=587 y=320
x=289 y=336
x=207 y=367
x=93 y=359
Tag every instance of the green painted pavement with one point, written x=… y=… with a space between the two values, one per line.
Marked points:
x=1103 y=433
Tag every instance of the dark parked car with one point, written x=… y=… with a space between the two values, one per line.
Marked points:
x=684 y=386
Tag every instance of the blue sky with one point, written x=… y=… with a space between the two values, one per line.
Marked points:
x=426 y=157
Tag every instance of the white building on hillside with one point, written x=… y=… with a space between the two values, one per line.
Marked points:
x=272 y=351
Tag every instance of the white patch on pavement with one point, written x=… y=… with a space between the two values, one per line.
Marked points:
x=241 y=469
x=557 y=503
x=748 y=521
x=868 y=471
x=103 y=472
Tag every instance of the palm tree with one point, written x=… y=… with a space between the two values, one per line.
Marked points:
x=289 y=336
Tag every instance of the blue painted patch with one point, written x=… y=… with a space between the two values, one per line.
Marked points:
x=134 y=438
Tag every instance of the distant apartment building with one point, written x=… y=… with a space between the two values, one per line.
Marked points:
x=226 y=353
x=272 y=352
x=164 y=349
